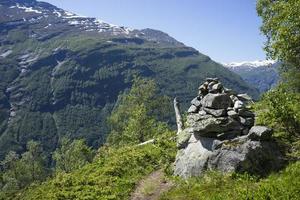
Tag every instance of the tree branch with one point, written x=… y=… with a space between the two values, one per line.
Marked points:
x=178 y=116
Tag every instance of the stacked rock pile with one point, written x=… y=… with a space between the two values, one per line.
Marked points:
x=219 y=112
x=220 y=135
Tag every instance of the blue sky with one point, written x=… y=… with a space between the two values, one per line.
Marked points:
x=225 y=30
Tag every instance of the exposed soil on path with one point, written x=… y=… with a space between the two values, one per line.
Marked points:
x=151 y=187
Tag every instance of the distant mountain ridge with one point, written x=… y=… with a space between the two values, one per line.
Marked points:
x=61 y=74
x=262 y=74
x=50 y=17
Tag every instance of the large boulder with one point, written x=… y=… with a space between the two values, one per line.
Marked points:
x=220 y=135
x=239 y=155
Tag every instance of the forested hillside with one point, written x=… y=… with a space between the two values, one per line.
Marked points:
x=61 y=73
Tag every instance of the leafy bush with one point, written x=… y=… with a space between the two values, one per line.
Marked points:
x=72 y=155
x=113 y=174
x=280 y=109
x=136 y=118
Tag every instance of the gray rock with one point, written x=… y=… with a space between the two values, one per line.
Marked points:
x=233 y=98
x=260 y=133
x=238 y=105
x=238 y=155
x=183 y=138
x=195 y=117
x=247 y=121
x=216 y=88
x=192 y=160
x=193 y=109
x=229 y=135
x=217 y=144
x=196 y=102
x=217 y=136
x=245 y=113
x=216 y=112
x=229 y=91
x=216 y=101
x=202 y=112
x=210 y=126
x=210 y=86
x=232 y=113
x=244 y=98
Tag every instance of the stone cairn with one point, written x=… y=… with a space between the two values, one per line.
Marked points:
x=220 y=135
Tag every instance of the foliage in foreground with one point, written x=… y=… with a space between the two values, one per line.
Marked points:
x=113 y=174
x=284 y=185
x=281 y=27
x=280 y=110
x=19 y=171
x=137 y=117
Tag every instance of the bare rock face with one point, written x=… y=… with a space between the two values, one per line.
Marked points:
x=221 y=135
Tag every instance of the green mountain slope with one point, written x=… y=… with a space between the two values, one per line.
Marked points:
x=61 y=74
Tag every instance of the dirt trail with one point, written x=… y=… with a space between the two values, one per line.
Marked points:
x=151 y=187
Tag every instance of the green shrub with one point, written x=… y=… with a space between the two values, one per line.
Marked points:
x=280 y=109
x=113 y=174
x=214 y=185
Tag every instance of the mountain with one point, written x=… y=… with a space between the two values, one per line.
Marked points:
x=260 y=74
x=61 y=73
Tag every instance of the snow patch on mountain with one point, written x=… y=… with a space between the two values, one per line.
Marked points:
x=26 y=9
x=252 y=64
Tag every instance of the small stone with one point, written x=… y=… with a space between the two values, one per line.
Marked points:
x=229 y=91
x=196 y=102
x=246 y=113
x=238 y=104
x=245 y=98
x=203 y=90
x=233 y=98
x=215 y=112
x=183 y=138
x=216 y=88
x=202 y=112
x=202 y=87
x=232 y=113
x=247 y=121
x=216 y=101
x=229 y=108
x=210 y=86
x=260 y=133
x=193 y=109
x=205 y=84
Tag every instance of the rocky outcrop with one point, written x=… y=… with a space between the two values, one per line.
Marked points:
x=221 y=135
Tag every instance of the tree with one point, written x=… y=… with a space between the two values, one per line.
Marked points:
x=72 y=155
x=34 y=162
x=137 y=115
x=281 y=26
x=20 y=171
x=10 y=173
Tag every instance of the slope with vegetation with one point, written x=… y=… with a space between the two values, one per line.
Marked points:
x=63 y=73
x=122 y=163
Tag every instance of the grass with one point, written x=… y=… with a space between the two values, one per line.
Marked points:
x=214 y=185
